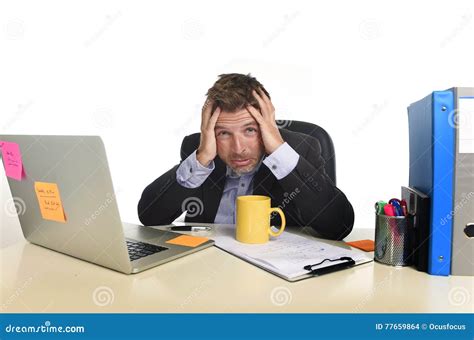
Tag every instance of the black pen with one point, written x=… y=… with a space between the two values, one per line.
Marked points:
x=190 y=228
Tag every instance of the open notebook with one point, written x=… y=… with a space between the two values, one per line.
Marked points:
x=286 y=255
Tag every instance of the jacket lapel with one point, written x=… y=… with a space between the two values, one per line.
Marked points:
x=263 y=181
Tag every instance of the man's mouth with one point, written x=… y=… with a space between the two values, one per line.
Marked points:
x=241 y=162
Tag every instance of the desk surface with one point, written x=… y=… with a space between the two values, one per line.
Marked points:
x=35 y=279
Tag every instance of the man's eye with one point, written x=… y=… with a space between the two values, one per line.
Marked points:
x=251 y=130
x=223 y=133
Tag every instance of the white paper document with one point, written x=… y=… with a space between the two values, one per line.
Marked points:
x=285 y=255
x=465 y=122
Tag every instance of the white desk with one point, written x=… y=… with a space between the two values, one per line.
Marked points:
x=35 y=279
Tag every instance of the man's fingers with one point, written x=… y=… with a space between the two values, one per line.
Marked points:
x=263 y=105
x=267 y=101
x=207 y=105
x=206 y=111
x=213 y=119
x=255 y=114
x=260 y=100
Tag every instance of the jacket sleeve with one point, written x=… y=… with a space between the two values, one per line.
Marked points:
x=317 y=202
x=164 y=199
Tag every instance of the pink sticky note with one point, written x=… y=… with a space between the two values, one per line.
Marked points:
x=12 y=160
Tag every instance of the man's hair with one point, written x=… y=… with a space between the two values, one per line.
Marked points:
x=233 y=91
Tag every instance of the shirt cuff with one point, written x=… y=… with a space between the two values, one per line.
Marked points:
x=282 y=161
x=191 y=174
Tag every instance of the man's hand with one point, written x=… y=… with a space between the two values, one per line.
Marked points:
x=207 y=149
x=266 y=120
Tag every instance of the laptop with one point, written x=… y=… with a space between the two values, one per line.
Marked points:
x=92 y=229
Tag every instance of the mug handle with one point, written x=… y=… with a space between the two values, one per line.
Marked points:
x=283 y=222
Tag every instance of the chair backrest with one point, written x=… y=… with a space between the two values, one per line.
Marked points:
x=327 y=146
x=313 y=130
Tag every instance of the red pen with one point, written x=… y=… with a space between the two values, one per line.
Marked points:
x=388 y=210
x=403 y=203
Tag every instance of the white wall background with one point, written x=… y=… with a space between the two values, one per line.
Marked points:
x=135 y=72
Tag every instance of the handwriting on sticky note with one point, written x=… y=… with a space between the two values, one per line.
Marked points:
x=365 y=245
x=12 y=160
x=49 y=201
x=187 y=240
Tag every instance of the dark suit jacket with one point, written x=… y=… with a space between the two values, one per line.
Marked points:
x=307 y=195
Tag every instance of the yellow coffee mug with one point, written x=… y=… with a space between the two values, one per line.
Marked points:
x=253 y=219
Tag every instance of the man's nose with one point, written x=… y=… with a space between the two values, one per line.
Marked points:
x=238 y=146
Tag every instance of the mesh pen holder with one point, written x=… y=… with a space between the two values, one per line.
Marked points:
x=393 y=240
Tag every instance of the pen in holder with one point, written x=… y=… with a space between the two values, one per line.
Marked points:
x=393 y=239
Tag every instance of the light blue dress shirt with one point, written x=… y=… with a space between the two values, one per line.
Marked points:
x=191 y=174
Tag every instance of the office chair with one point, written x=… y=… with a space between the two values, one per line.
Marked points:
x=327 y=146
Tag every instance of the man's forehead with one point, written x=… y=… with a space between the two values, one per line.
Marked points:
x=235 y=119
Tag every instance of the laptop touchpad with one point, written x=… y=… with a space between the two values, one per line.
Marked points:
x=145 y=233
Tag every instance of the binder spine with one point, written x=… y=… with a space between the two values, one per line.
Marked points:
x=443 y=141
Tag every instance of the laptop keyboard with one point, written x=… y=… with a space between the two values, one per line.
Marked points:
x=137 y=250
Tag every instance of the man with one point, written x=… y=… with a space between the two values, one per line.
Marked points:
x=243 y=152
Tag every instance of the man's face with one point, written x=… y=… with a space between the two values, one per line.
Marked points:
x=239 y=143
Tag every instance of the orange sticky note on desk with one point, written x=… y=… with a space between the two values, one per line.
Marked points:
x=365 y=245
x=12 y=160
x=188 y=241
x=50 y=202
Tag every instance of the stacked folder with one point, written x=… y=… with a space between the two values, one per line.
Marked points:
x=441 y=136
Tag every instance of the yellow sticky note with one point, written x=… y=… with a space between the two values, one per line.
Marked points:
x=187 y=240
x=50 y=202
